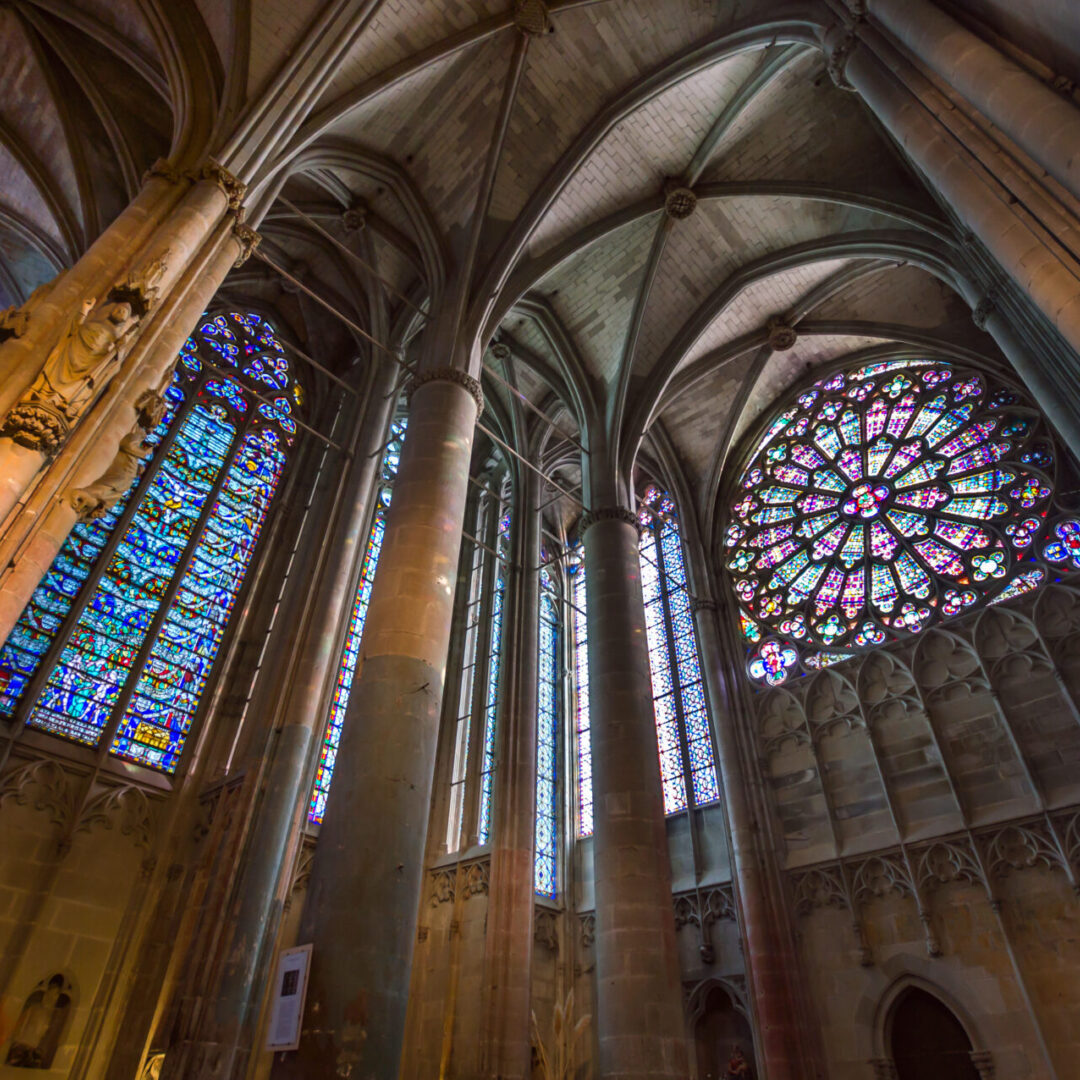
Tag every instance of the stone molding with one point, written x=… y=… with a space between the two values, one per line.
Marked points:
x=44 y=785
x=546 y=928
x=984 y=858
x=125 y=808
x=606 y=513
x=704 y=907
x=450 y=375
x=473 y=879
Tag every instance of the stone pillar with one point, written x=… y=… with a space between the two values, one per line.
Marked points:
x=364 y=893
x=980 y=200
x=110 y=306
x=509 y=944
x=639 y=1015
x=767 y=962
x=1043 y=123
x=28 y=548
x=225 y=1032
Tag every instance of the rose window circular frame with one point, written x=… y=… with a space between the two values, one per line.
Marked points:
x=886 y=499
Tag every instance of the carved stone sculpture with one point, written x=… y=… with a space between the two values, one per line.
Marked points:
x=97 y=499
x=82 y=362
x=40 y=1025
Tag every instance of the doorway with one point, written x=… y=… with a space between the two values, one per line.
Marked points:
x=926 y=1040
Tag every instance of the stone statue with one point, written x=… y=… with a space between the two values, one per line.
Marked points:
x=97 y=499
x=81 y=363
x=738 y=1068
x=40 y=1025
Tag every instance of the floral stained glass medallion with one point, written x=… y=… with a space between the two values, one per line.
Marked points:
x=885 y=500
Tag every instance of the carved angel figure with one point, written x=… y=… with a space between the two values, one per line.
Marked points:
x=97 y=499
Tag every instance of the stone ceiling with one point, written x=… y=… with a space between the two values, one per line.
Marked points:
x=620 y=318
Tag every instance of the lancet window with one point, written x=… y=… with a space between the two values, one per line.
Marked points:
x=887 y=499
x=548 y=703
x=682 y=719
x=477 y=699
x=582 y=733
x=118 y=641
x=350 y=652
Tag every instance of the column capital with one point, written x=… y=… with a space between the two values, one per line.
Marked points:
x=982 y=311
x=248 y=240
x=840 y=43
x=231 y=187
x=702 y=603
x=607 y=513
x=450 y=375
x=983 y=1060
x=167 y=171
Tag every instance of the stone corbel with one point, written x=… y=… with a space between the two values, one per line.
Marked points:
x=840 y=43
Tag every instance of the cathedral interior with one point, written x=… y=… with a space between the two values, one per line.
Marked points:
x=540 y=539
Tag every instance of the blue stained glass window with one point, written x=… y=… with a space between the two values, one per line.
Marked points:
x=932 y=516
x=581 y=687
x=132 y=612
x=324 y=773
x=491 y=702
x=545 y=879
x=682 y=723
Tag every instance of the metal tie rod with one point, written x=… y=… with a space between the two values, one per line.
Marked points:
x=529 y=405
x=525 y=461
x=353 y=255
x=320 y=367
x=333 y=310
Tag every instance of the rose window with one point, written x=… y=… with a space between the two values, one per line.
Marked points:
x=885 y=500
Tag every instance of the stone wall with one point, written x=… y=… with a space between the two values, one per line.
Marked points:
x=927 y=798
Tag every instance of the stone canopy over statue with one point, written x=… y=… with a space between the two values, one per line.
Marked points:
x=82 y=362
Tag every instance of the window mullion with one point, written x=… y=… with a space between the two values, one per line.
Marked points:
x=108 y=733
x=673 y=667
x=51 y=656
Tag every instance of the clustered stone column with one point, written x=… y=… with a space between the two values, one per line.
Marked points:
x=640 y=1024
x=85 y=353
x=769 y=966
x=508 y=946
x=366 y=880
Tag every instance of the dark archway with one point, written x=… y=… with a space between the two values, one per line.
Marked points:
x=719 y=1030
x=926 y=1040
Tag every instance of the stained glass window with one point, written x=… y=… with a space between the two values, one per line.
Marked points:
x=581 y=687
x=118 y=641
x=350 y=653
x=682 y=718
x=491 y=701
x=473 y=767
x=547 y=705
x=884 y=500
